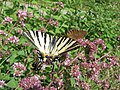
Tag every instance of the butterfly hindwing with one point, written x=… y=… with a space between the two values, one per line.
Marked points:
x=76 y=34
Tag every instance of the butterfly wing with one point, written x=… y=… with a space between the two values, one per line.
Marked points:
x=39 y=39
x=76 y=34
x=63 y=45
x=51 y=45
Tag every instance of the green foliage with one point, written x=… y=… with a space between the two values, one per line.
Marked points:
x=12 y=83
x=100 y=18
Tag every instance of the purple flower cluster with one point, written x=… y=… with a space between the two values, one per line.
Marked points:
x=18 y=69
x=52 y=22
x=76 y=73
x=96 y=66
x=60 y=4
x=100 y=42
x=3 y=33
x=13 y=39
x=20 y=32
x=91 y=47
x=95 y=70
x=7 y=20
x=85 y=86
x=49 y=21
x=67 y=62
x=22 y=15
x=113 y=61
x=58 y=82
x=105 y=84
x=31 y=83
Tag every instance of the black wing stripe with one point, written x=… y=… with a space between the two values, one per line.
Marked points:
x=59 y=41
x=62 y=43
x=53 y=44
x=37 y=35
x=68 y=41
x=69 y=46
x=47 y=43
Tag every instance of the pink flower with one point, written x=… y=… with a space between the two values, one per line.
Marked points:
x=118 y=38
x=31 y=83
x=85 y=65
x=52 y=22
x=13 y=39
x=59 y=82
x=60 y=4
x=22 y=14
x=20 y=32
x=113 y=60
x=85 y=86
x=42 y=18
x=90 y=47
x=82 y=42
x=91 y=55
x=95 y=67
x=22 y=23
x=105 y=65
x=75 y=71
x=7 y=20
x=18 y=69
x=2 y=83
x=101 y=42
x=106 y=84
x=67 y=62
x=81 y=56
x=2 y=33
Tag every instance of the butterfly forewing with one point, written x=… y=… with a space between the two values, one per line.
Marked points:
x=51 y=45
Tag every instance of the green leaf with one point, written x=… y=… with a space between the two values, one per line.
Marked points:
x=21 y=52
x=12 y=83
x=5 y=47
x=109 y=46
x=81 y=78
x=12 y=58
x=4 y=76
x=22 y=40
x=72 y=80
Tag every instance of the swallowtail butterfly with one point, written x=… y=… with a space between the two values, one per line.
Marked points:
x=51 y=47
